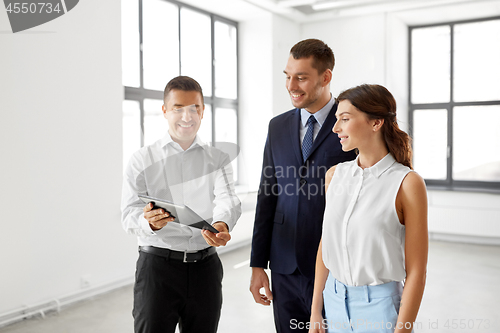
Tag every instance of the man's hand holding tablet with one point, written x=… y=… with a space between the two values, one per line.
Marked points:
x=157 y=218
x=162 y=209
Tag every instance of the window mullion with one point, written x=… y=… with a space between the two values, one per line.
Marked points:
x=141 y=68
x=179 y=37
x=214 y=100
x=450 y=110
x=449 y=164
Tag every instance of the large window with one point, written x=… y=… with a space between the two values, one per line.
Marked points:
x=455 y=103
x=162 y=39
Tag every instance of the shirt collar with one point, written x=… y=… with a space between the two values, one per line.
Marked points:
x=167 y=139
x=319 y=115
x=377 y=169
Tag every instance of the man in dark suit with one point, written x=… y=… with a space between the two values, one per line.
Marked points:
x=300 y=148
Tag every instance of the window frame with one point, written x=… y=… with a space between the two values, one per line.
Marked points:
x=140 y=93
x=449 y=183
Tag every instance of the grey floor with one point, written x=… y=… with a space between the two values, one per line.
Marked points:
x=462 y=295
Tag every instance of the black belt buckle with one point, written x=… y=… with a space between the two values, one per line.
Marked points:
x=185 y=259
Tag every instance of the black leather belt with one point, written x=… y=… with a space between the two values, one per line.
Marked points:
x=178 y=255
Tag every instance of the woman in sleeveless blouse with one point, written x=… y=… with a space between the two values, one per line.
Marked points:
x=375 y=224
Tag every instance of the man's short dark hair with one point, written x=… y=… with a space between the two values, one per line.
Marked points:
x=322 y=54
x=184 y=83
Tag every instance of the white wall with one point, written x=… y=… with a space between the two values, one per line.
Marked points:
x=265 y=42
x=61 y=154
x=374 y=49
x=358 y=44
x=285 y=34
x=255 y=94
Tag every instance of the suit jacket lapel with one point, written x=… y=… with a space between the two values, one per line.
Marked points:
x=294 y=134
x=325 y=130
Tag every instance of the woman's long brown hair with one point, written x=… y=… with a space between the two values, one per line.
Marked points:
x=378 y=103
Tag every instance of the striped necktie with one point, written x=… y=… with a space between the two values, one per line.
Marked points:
x=307 y=143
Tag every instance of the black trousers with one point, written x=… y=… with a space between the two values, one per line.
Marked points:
x=168 y=292
x=292 y=299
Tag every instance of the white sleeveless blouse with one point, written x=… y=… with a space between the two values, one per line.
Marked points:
x=363 y=240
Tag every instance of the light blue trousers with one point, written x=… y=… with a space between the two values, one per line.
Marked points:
x=361 y=309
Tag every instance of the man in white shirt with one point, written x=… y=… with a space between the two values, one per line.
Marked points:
x=179 y=275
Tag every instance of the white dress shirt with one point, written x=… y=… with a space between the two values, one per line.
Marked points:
x=200 y=177
x=363 y=240
x=320 y=116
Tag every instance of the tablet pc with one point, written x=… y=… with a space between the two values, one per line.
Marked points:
x=187 y=216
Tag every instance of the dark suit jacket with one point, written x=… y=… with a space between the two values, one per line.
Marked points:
x=291 y=202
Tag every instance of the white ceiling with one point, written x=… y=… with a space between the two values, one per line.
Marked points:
x=302 y=11
x=308 y=10
x=317 y=6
